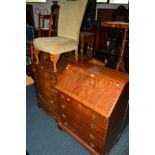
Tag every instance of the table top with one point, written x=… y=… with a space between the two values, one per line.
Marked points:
x=115 y=24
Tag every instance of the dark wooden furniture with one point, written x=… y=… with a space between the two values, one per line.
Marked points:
x=45 y=80
x=90 y=13
x=29 y=15
x=92 y=102
x=120 y=14
x=121 y=51
x=86 y=41
x=42 y=28
x=55 y=11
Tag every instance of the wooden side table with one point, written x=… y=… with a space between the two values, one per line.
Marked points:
x=125 y=27
x=86 y=38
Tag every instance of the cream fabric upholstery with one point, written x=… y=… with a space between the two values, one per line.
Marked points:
x=70 y=18
x=55 y=45
x=69 y=22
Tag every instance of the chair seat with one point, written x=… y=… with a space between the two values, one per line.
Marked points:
x=55 y=45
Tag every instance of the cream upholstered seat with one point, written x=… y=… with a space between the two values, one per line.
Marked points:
x=55 y=45
x=69 y=23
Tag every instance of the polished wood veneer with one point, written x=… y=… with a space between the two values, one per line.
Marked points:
x=87 y=100
x=92 y=102
x=45 y=80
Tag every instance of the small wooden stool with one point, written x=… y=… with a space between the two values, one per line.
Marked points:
x=88 y=39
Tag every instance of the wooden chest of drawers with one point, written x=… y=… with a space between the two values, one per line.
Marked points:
x=91 y=105
x=45 y=81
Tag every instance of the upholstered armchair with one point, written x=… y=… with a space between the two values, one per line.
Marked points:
x=69 y=22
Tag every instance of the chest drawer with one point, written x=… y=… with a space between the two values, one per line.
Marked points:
x=89 y=137
x=46 y=92
x=41 y=73
x=48 y=104
x=82 y=114
x=45 y=84
x=39 y=78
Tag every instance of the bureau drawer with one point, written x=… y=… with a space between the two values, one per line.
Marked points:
x=82 y=114
x=84 y=121
x=90 y=138
x=46 y=93
x=45 y=84
x=43 y=71
x=48 y=104
x=51 y=79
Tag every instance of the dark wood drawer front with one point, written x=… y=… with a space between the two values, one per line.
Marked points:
x=49 y=104
x=83 y=133
x=40 y=78
x=44 y=72
x=84 y=121
x=45 y=85
x=46 y=93
x=82 y=114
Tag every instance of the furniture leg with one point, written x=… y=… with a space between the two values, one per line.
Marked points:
x=81 y=50
x=36 y=52
x=31 y=51
x=76 y=55
x=54 y=58
x=120 y=64
x=90 y=50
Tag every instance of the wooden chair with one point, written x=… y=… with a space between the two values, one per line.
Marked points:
x=42 y=27
x=69 y=22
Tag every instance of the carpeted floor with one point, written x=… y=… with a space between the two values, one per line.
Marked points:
x=44 y=138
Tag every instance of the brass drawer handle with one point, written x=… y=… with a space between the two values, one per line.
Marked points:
x=68 y=99
x=52 y=101
x=92 y=145
x=93 y=126
x=62 y=96
x=62 y=106
x=65 y=123
x=63 y=115
x=92 y=136
x=93 y=116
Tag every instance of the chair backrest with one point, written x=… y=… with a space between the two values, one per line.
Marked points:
x=41 y=24
x=70 y=18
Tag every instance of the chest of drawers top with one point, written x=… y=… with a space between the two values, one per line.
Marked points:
x=98 y=88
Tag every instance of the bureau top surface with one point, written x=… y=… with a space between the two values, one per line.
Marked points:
x=94 y=86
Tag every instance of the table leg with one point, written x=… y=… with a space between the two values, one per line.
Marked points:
x=120 y=63
x=81 y=50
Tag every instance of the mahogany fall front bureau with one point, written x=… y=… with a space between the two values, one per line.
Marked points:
x=92 y=102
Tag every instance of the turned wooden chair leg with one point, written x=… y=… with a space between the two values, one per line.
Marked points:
x=36 y=52
x=54 y=58
x=76 y=55
x=31 y=51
